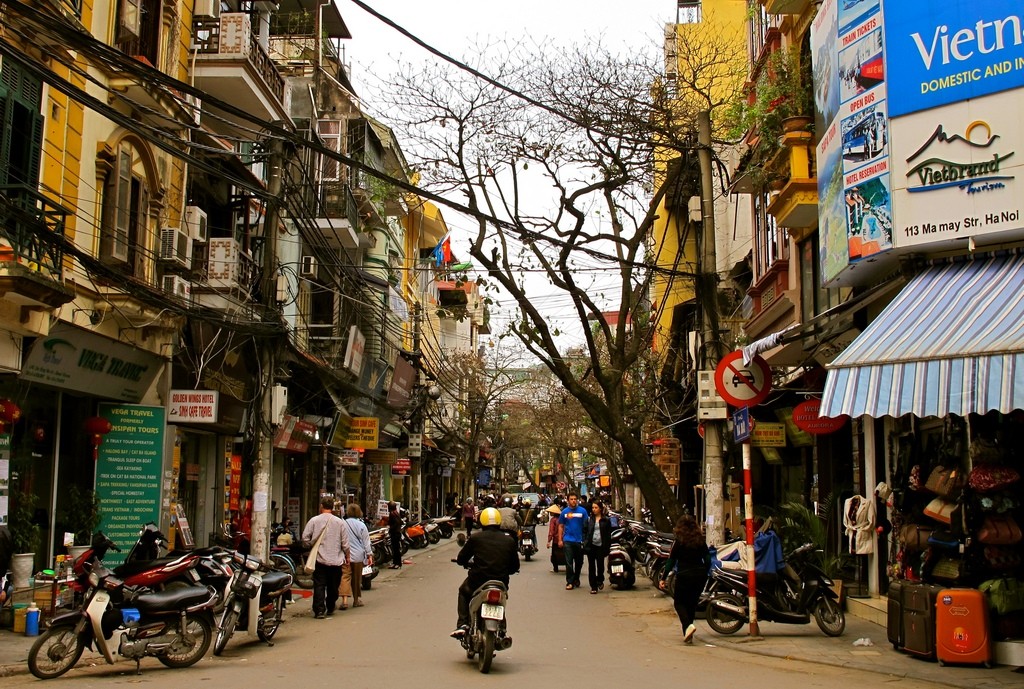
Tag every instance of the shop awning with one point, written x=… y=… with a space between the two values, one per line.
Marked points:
x=951 y=342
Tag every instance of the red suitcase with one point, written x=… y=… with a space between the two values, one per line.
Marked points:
x=961 y=627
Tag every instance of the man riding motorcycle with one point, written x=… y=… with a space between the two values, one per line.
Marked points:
x=490 y=553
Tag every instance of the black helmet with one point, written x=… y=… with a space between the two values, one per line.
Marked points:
x=507 y=502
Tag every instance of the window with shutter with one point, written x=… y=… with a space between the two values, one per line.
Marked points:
x=21 y=125
x=129 y=19
x=117 y=209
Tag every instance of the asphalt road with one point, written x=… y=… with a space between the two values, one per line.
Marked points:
x=561 y=638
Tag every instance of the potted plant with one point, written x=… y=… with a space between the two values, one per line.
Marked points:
x=25 y=535
x=81 y=515
x=780 y=99
x=797 y=524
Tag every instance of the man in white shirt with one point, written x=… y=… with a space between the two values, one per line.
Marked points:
x=332 y=555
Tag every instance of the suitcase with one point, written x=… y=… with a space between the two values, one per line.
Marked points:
x=961 y=627
x=894 y=616
x=919 y=619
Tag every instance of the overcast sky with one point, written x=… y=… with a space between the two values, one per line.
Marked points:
x=453 y=26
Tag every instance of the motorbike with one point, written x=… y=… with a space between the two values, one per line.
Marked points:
x=528 y=541
x=253 y=580
x=174 y=626
x=621 y=568
x=416 y=535
x=487 y=624
x=791 y=596
x=445 y=526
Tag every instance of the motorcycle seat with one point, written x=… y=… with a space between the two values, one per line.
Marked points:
x=272 y=581
x=490 y=584
x=174 y=599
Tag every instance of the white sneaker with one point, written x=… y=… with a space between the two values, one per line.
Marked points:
x=688 y=634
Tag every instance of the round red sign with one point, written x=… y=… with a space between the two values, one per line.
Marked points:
x=805 y=416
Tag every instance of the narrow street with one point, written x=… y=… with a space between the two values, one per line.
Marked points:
x=400 y=638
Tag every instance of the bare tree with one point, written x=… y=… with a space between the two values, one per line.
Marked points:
x=555 y=157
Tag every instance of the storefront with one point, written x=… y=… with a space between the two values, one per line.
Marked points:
x=936 y=380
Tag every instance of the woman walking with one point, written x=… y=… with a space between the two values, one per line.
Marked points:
x=468 y=517
x=555 y=538
x=360 y=553
x=691 y=559
x=597 y=541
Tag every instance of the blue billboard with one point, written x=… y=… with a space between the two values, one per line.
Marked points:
x=952 y=51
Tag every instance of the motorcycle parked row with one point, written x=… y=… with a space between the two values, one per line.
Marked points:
x=253 y=580
x=174 y=625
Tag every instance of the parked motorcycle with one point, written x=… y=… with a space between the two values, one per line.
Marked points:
x=528 y=541
x=174 y=626
x=791 y=596
x=621 y=568
x=253 y=580
x=487 y=624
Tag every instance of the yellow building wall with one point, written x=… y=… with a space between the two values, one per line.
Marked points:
x=673 y=246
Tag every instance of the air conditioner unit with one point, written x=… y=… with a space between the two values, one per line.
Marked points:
x=195 y=221
x=307 y=268
x=176 y=247
x=177 y=286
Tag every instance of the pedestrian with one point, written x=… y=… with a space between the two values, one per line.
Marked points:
x=468 y=517
x=573 y=520
x=692 y=560
x=555 y=538
x=395 y=534
x=331 y=556
x=360 y=553
x=597 y=541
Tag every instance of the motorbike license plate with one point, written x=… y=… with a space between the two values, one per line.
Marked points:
x=492 y=612
x=527 y=541
x=616 y=569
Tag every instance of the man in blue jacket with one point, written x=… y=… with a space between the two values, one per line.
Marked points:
x=574 y=524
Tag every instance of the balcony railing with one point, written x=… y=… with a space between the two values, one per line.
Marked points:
x=34 y=225
x=337 y=201
x=209 y=38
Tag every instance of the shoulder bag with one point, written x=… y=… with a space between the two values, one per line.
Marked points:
x=311 y=559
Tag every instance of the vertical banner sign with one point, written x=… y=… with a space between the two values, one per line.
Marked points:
x=854 y=188
x=128 y=472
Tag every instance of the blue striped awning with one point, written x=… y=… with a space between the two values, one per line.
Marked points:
x=952 y=342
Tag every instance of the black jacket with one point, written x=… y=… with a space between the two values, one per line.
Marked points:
x=490 y=554
x=606 y=536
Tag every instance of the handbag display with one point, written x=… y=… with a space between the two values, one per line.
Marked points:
x=914 y=537
x=985 y=478
x=310 y=563
x=948 y=570
x=946 y=483
x=941 y=510
x=1001 y=558
x=999 y=530
x=943 y=538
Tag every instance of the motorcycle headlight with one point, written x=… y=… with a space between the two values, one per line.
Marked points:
x=94 y=579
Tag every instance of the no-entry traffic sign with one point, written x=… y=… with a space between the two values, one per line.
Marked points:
x=741 y=385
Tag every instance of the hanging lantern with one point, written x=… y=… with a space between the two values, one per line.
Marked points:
x=97 y=427
x=9 y=414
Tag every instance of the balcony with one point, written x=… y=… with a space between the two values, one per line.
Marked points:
x=232 y=66
x=785 y=6
x=231 y=276
x=796 y=204
x=338 y=218
x=32 y=267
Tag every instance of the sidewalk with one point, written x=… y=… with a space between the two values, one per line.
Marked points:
x=803 y=643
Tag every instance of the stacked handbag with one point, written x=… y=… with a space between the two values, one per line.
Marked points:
x=967 y=530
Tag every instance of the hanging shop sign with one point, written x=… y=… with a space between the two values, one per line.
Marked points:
x=402 y=381
x=354 y=351
x=806 y=418
x=380 y=456
x=401 y=467
x=768 y=434
x=364 y=433
x=294 y=435
x=75 y=359
x=128 y=468
x=193 y=406
x=348 y=458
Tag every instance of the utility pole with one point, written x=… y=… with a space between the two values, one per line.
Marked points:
x=263 y=441
x=707 y=291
